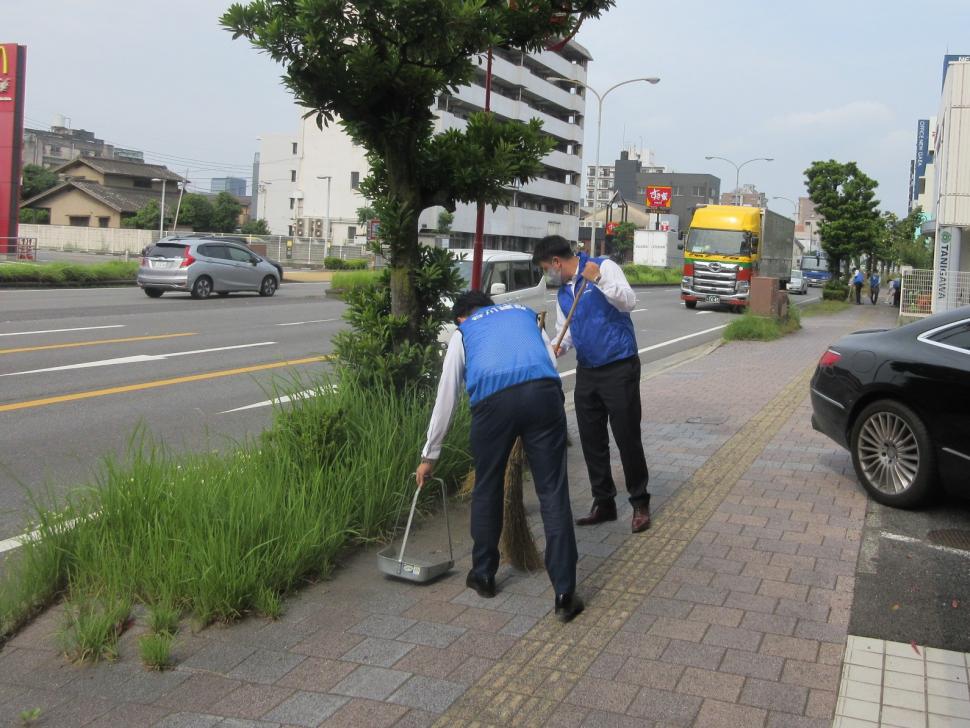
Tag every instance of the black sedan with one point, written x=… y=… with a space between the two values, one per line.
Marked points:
x=899 y=400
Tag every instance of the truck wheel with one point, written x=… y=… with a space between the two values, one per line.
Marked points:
x=690 y=304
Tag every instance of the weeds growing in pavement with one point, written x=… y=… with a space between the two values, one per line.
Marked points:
x=156 y=650
x=825 y=308
x=217 y=536
x=163 y=619
x=92 y=626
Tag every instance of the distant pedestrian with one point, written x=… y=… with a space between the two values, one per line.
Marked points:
x=874 y=288
x=857 y=283
x=509 y=369
x=894 y=286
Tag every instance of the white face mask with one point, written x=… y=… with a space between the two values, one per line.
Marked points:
x=554 y=276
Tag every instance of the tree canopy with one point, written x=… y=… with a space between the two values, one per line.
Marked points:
x=845 y=198
x=36 y=179
x=379 y=67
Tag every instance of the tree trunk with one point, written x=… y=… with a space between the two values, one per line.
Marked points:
x=401 y=235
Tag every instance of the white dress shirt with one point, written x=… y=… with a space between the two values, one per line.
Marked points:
x=613 y=284
x=449 y=390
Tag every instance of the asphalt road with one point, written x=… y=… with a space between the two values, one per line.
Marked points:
x=81 y=369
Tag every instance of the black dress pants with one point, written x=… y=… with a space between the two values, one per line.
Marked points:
x=610 y=396
x=533 y=411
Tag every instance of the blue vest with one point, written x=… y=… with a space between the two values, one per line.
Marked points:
x=503 y=347
x=602 y=334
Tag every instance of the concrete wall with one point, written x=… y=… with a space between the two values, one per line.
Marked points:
x=116 y=241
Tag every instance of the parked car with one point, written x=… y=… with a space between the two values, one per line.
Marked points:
x=205 y=266
x=238 y=240
x=899 y=400
x=507 y=276
x=798 y=283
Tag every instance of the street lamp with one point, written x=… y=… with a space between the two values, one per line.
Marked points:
x=161 y=212
x=788 y=199
x=653 y=80
x=262 y=187
x=327 y=234
x=737 y=167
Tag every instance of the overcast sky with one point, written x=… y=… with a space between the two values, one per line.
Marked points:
x=843 y=79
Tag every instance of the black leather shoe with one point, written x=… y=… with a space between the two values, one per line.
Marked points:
x=483 y=586
x=600 y=513
x=568 y=606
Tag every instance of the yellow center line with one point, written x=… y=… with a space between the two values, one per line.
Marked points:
x=90 y=394
x=75 y=344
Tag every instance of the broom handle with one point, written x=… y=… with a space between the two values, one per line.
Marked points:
x=569 y=318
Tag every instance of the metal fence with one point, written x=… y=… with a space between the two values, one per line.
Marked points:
x=916 y=293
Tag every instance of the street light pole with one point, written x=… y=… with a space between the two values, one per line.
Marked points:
x=737 y=168
x=653 y=80
x=161 y=212
x=326 y=234
x=788 y=199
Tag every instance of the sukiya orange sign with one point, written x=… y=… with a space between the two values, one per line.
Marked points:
x=13 y=64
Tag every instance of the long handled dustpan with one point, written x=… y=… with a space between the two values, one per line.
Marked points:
x=395 y=561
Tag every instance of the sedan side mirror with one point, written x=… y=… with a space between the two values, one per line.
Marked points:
x=497 y=289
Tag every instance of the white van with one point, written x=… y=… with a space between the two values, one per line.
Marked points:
x=507 y=277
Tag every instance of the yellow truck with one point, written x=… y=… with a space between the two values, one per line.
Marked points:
x=728 y=245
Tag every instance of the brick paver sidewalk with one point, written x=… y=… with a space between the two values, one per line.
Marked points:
x=731 y=611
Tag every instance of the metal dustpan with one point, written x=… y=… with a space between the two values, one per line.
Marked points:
x=394 y=561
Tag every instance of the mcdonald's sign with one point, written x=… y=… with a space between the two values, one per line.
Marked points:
x=13 y=65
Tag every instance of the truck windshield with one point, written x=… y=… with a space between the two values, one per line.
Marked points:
x=717 y=242
x=814 y=262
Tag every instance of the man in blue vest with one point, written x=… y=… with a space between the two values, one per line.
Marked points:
x=509 y=369
x=607 y=376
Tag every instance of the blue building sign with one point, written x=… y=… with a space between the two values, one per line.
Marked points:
x=922 y=151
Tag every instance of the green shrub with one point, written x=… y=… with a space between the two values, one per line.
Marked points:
x=66 y=273
x=333 y=263
x=835 y=290
x=346 y=280
x=645 y=274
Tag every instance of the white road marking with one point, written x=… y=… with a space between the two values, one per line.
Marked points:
x=17 y=541
x=315 y=321
x=58 y=331
x=703 y=313
x=306 y=394
x=137 y=359
x=638 y=310
x=909 y=539
x=662 y=344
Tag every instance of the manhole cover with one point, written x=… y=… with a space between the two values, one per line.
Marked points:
x=954 y=538
x=706 y=420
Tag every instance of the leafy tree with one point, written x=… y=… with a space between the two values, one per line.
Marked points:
x=445 y=219
x=225 y=213
x=30 y=215
x=623 y=239
x=365 y=214
x=147 y=217
x=379 y=66
x=906 y=244
x=36 y=179
x=845 y=197
x=255 y=227
x=197 y=212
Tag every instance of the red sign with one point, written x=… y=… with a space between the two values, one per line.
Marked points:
x=13 y=60
x=659 y=198
x=611 y=227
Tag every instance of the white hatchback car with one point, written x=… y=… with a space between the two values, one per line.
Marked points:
x=507 y=277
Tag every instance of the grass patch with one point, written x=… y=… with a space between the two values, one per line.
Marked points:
x=65 y=273
x=749 y=327
x=92 y=627
x=163 y=619
x=217 y=536
x=825 y=308
x=648 y=275
x=156 y=650
x=345 y=280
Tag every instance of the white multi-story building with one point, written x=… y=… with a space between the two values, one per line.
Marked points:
x=294 y=171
